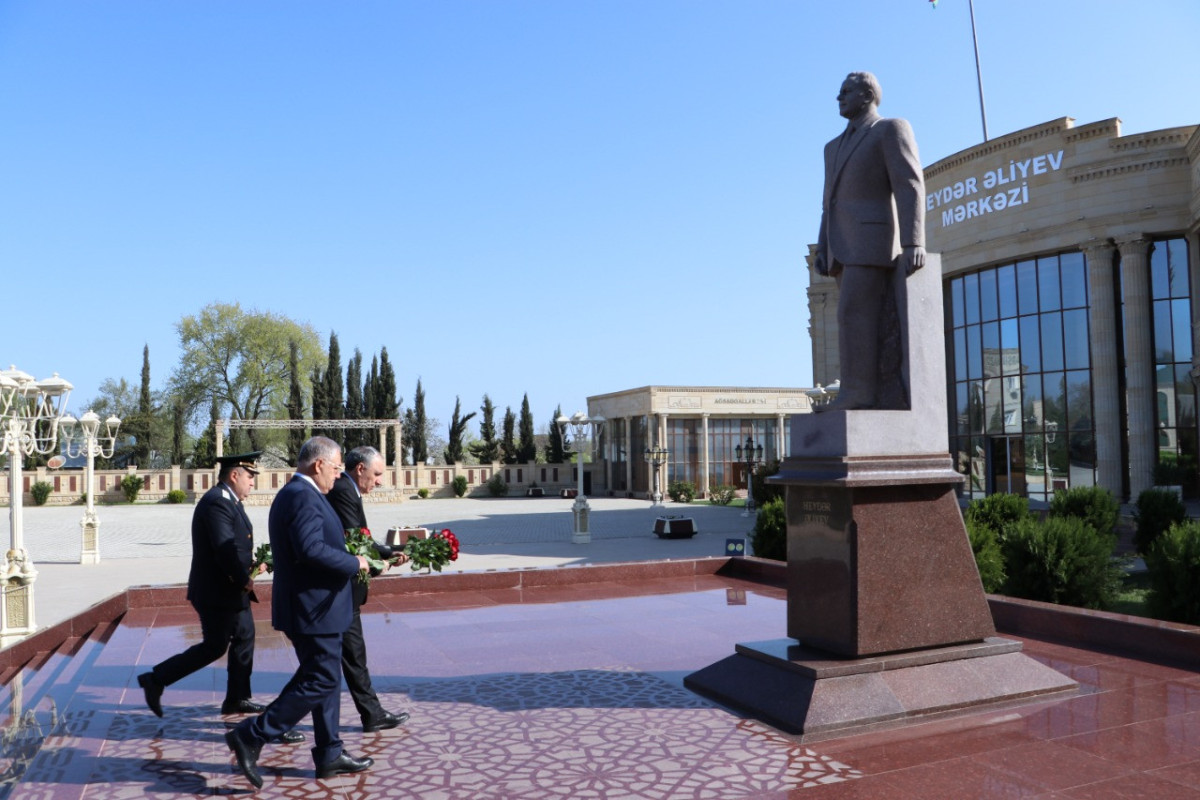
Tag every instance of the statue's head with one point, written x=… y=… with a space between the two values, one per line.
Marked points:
x=859 y=90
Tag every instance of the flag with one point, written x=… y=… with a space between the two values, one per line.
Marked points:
x=933 y=3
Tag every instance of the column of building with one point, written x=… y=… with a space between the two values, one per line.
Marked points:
x=629 y=454
x=780 y=450
x=1106 y=398
x=1139 y=363
x=707 y=454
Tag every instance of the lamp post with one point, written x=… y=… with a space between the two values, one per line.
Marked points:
x=580 y=510
x=656 y=457
x=92 y=445
x=752 y=455
x=29 y=412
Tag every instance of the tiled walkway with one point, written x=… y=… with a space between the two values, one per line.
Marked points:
x=576 y=692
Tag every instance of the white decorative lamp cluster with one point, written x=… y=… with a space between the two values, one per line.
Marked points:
x=30 y=412
x=656 y=457
x=91 y=444
x=580 y=510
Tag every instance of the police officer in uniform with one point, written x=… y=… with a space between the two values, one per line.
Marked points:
x=220 y=588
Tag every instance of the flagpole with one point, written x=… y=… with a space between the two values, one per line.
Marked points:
x=978 y=71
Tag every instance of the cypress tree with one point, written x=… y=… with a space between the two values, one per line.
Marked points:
x=319 y=409
x=526 y=445
x=354 y=400
x=295 y=404
x=487 y=450
x=420 y=434
x=334 y=390
x=177 y=430
x=508 y=445
x=387 y=405
x=458 y=426
x=556 y=446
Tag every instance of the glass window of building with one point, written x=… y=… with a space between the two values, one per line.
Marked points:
x=1020 y=387
x=1175 y=404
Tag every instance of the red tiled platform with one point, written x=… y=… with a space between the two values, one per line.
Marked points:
x=540 y=687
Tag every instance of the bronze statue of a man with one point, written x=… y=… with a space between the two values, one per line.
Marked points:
x=872 y=225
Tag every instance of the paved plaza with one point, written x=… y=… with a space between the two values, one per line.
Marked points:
x=151 y=544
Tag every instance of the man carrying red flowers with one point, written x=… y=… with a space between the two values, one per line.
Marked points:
x=364 y=471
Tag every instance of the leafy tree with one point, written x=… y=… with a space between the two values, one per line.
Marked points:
x=508 y=444
x=205 y=453
x=526 y=443
x=487 y=449
x=458 y=427
x=556 y=444
x=295 y=406
x=354 y=400
x=239 y=359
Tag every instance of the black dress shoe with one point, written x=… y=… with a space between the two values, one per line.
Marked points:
x=344 y=764
x=241 y=707
x=386 y=722
x=291 y=736
x=247 y=756
x=153 y=691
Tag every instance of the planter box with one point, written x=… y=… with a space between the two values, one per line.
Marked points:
x=674 y=527
x=398 y=537
x=535 y=492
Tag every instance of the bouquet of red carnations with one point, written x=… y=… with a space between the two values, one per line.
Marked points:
x=433 y=553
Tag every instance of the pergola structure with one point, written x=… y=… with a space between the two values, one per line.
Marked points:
x=381 y=425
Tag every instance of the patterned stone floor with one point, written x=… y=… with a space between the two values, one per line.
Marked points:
x=576 y=692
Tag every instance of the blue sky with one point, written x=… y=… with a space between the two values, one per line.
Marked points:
x=553 y=197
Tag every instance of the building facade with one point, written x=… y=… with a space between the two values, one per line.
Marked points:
x=700 y=426
x=1070 y=271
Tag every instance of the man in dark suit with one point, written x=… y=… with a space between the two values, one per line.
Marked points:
x=220 y=588
x=872 y=234
x=312 y=605
x=364 y=471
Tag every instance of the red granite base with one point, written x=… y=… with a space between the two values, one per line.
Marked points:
x=818 y=696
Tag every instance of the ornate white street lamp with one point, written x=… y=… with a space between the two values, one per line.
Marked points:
x=753 y=456
x=91 y=444
x=29 y=412
x=656 y=457
x=580 y=510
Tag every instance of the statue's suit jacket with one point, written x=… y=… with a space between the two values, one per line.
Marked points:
x=222 y=551
x=873 y=203
x=311 y=591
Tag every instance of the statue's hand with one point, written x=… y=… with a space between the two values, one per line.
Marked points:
x=912 y=259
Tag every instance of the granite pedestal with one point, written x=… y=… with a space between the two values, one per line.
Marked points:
x=887 y=619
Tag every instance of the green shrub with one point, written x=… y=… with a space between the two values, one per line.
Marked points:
x=176 y=496
x=460 y=485
x=998 y=512
x=721 y=495
x=1093 y=504
x=131 y=485
x=681 y=491
x=423 y=493
x=41 y=492
x=83 y=498
x=496 y=486
x=985 y=544
x=764 y=491
x=1157 y=510
x=769 y=537
x=1061 y=560
x=1173 y=567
